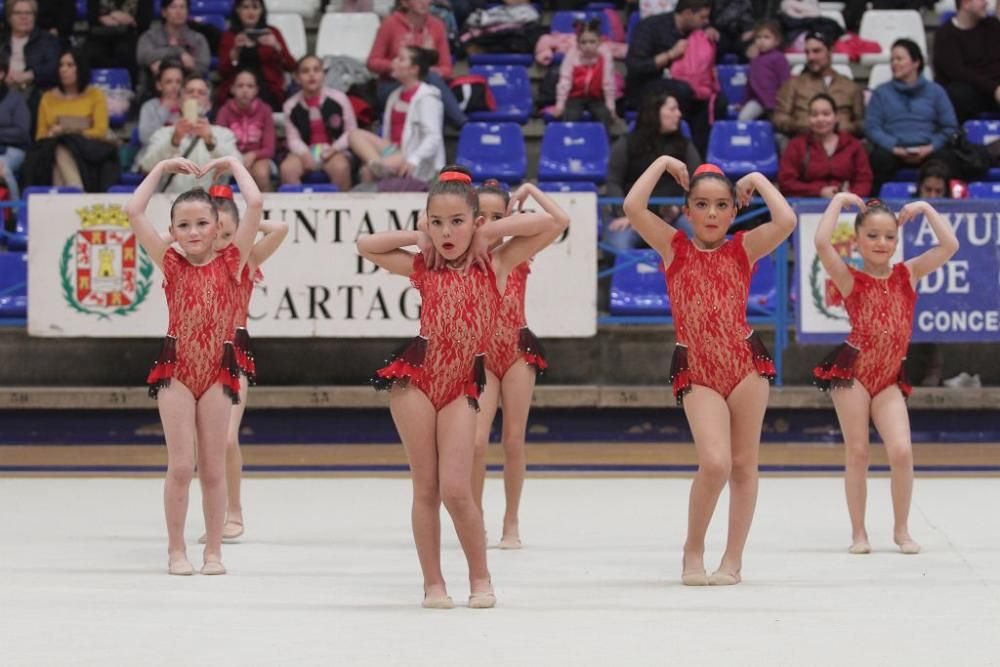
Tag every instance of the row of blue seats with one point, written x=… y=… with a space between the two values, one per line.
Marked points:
x=195 y=8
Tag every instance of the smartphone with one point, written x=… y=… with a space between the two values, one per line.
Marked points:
x=254 y=33
x=911 y=150
x=190 y=111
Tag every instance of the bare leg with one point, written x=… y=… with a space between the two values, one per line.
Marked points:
x=291 y=170
x=516 y=389
x=338 y=170
x=488 y=401
x=456 y=428
x=177 y=412
x=893 y=423
x=234 y=467
x=366 y=145
x=67 y=166
x=261 y=172
x=747 y=404
x=708 y=417
x=853 y=405
x=213 y=410
x=416 y=421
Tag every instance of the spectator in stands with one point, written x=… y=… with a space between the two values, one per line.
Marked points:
x=33 y=53
x=71 y=140
x=824 y=160
x=165 y=109
x=251 y=43
x=15 y=131
x=193 y=137
x=318 y=121
x=411 y=145
x=768 y=72
x=791 y=113
x=733 y=21
x=411 y=24
x=934 y=179
x=587 y=78
x=172 y=38
x=909 y=118
x=967 y=59
x=657 y=132
x=57 y=17
x=251 y=121
x=114 y=29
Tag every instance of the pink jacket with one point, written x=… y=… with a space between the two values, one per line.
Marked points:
x=571 y=60
x=253 y=127
x=561 y=42
x=396 y=32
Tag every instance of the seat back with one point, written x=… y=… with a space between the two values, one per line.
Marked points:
x=13 y=284
x=638 y=289
x=898 y=190
x=574 y=152
x=308 y=187
x=347 y=35
x=563 y=21
x=984 y=190
x=885 y=26
x=493 y=150
x=293 y=29
x=511 y=88
x=740 y=147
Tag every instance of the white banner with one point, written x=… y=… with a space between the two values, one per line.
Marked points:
x=87 y=277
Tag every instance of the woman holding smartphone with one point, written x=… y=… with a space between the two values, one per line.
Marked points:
x=252 y=44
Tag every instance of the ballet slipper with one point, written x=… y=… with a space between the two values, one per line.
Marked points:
x=213 y=567
x=232 y=530
x=693 y=577
x=180 y=566
x=510 y=542
x=437 y=602
x=720 y=578
x=860 y=547
x=483 y=600
x=908 y=547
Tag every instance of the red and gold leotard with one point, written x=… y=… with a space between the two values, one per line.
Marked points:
x=708 y=289
x=202 y=301
x=241 y=338
x=881 y=314
x=457 y=313
x=512 y=339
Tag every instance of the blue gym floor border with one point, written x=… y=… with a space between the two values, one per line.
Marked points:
x=568 y=468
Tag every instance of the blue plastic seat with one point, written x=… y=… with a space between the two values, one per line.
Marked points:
x=906 y=174
x=567 y=186
x=121 y=189
x=511 y=89
x=638 y=289
x=493 y=150
x=523 y=59
x=763 y=298
x=733 y=81
x=81 y=10
x=739 y=148
x=18 y=239
x=112 y=80
x=210 y=7
x=13 y=284
x=309 y=187
x=984 y=132
x=315 y=177
x=982 y=190
x=574 y=152
x=215 y=20
x=563 y=21
x=131 y=178
x=898 y=190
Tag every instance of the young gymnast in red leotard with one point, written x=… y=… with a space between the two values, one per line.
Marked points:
x=274 y=233
x=513 y=357
x=436 y=378
x=866 y=372
x=720 y=368
x=195 y=379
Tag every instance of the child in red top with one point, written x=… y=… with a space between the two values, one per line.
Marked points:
x=587 y=78
x=720 y=367
x=274 y=232
x=196 y=380
x=880 y=300
x=252 y=123
x=513 y=357
x=437 y=378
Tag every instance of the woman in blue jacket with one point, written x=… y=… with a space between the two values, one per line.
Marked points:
x=908 y=119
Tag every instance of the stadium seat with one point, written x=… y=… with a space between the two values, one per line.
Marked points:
x=563 y=21
x=114 y=82
x=984 y=132
x=733 y=80
x=210 y=7
x=879 y=74
x=739 y=148
x=511 y=89
x=574 y=152
x=13 y=284
x=81 y=10
x=307 y=9
x=898 y=190
x=885 y=26
x=121 y=189
x=18 y=239
x=835 y=16
x=982 y=190
x=493 y=150
x=907 y=174
x=632 y=21
x=638 y=289
x=523 y=59
x=217 y=21
x=293 y=30
x=347 y=35
x=309 y=187
x=763 y=297
x=131 y=178
x=567 y=186
x=317 y=177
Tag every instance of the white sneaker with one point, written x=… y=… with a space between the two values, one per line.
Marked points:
x=975 y=382
x=958 y=381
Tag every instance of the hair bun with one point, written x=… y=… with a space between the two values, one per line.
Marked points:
x=220 y=192
x=708 y=168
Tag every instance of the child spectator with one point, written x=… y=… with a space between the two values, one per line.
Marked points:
x=251 y=122
x=586 y=78
x=165 y=109
x=768 y=71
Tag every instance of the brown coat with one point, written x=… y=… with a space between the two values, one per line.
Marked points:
x=791 y=114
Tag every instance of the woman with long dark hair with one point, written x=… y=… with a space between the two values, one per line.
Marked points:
x=250 y=43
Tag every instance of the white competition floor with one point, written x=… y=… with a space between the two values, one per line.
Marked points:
x=327 y=575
